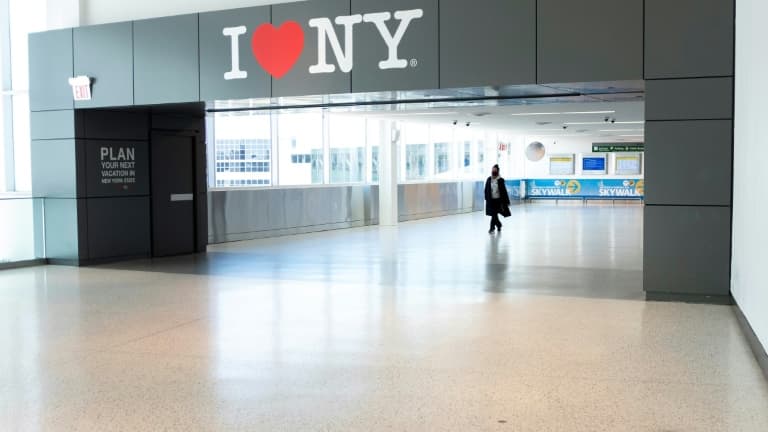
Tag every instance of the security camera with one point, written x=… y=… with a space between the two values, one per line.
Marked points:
x=469 y=124
x=607 y=119
x=613 y=121
x=565 y=127
x=455 y=122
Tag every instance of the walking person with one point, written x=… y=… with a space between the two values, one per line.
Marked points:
x=496 y=199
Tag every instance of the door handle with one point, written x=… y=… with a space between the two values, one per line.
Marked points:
x=182 y=197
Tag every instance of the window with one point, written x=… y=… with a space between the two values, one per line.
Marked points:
x=481 y=157
x=347 y=136
x=3 y=149
x=443 y=152
x=467 y=156
x=374 y=130
x=300 y=147
x=442 y=158
x=242 y=150
x=415 y=139
x=314 y=146
x=375 y=164
x=25 y=16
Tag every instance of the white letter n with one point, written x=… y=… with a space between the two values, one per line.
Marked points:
x=393 y=42
x=325 y=30
x=234 y=34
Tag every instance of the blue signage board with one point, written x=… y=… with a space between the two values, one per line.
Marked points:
x=593 y=164
x=585 y=188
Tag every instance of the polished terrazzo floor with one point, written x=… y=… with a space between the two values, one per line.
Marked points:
x=433 y=326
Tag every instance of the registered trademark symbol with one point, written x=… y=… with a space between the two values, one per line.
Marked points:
x=414 y=63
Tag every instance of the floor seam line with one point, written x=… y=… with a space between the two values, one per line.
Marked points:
x=122 y=344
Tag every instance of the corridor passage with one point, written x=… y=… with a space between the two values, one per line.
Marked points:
x=431 y=326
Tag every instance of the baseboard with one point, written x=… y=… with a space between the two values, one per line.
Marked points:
x=64 y=262
x=112 y=260
x=258 y=235
x=725 y=300
x=757 y=347
x=94 y=262
x=431 y=215
x=22 y=264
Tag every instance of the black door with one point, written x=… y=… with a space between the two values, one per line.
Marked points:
x=173 y=187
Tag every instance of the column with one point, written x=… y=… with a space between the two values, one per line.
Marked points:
x=689 y=149
x=388 y=174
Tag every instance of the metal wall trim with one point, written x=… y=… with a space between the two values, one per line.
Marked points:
x=248 y=214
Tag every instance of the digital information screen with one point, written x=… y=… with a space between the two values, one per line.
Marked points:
x=593 y=164
x=561 y=164
x=629 y=164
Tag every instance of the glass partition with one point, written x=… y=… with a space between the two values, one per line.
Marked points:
x=17 y=228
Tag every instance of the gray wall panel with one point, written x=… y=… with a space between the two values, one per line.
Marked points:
x=50 y=67
x=216 y=57
x=118 y=125
x=299 y=82
x=166 y=60
x=689 y=99
x=61 y=233
x=118 y=227
x=688 y=38
x=687 y=250
x=478 y=46
x=590 y=40
x=105 y=53
x=420 y=43
x=54 y=168
x=705 y=176
x=52 y=124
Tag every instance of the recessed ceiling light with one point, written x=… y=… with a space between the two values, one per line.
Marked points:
x=563 y=113
x=423 y=113
x=590 y=112
x=621 y=130
x=602 y=123
x=534 y=114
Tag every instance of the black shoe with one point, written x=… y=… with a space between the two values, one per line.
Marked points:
x=491 y=231
x=499 y=228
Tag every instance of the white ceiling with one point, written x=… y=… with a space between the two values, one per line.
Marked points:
x=541 y=119
x=561 y=120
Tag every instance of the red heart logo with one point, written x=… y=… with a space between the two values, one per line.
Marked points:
x=278 y=49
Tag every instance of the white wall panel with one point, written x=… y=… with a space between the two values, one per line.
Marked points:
x=750 y=233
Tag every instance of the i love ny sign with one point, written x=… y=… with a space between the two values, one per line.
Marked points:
x=277 y=49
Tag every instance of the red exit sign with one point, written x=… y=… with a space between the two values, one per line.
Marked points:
x=81 y=88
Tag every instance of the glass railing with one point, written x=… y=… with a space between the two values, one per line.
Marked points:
x=21 y=239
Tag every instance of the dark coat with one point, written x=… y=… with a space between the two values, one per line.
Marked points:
x=492 y=206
